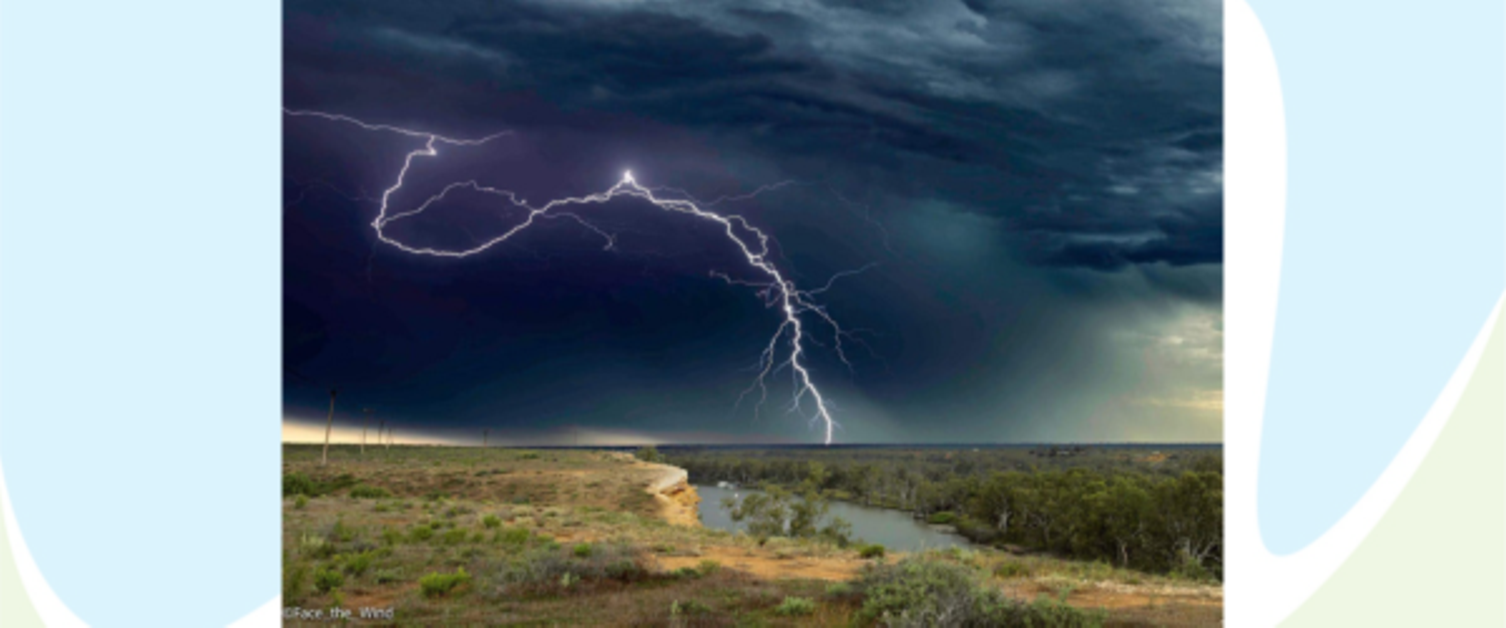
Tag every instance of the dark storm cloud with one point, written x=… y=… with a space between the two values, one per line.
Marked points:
x=1091 y=130
x=1039 y=182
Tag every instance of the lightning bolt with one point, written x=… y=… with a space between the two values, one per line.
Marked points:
x=775 y=290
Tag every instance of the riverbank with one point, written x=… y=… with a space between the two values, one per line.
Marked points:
x=678 y=500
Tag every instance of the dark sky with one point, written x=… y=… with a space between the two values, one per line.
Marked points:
x=1035 y=187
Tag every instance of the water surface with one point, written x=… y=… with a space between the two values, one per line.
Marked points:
x=893 y=529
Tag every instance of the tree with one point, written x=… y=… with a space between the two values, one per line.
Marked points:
x=780 y=512
x=329 y=426
x=650 y=453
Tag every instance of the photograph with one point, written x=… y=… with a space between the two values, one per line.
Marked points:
x=755 y=313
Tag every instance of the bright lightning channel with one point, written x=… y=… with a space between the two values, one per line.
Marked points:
x=777 y=290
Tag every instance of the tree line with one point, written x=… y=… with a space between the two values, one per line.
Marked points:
x=1094 y=505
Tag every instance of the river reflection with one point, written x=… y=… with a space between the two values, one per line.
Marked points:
x=893 y=529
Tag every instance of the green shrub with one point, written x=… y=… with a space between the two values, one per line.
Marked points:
x=357 y=564
x=491 y=521
x=300 y=484
x=341 y=532
x=438 y=584
x=300 y=502
x=649 y=454
x=294 y=581
x=626 y=570
x=455 y=536
x=297 y=484
x=795 y=606
x=315 y=546
x=871 y=551
x=709 y=567
x=688 y=607
x=945 y=518
x=921 y=592
x=582 y=550
x=516 y=537
x=391 y=536
x=326 y=580
x=1011 y=569
x=839 y=590
x=385 y=576
x=545 y=566
x=421 y=532
x=1189 y=568
x=363 y=491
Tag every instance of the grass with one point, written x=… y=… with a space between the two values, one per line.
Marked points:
x=571 y=538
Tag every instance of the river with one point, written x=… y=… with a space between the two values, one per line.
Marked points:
x=893 y=529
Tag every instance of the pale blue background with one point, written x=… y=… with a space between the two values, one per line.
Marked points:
x=139 y=281
x=1393 y=245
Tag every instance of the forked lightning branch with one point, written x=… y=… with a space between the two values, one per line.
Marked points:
x=785 y=350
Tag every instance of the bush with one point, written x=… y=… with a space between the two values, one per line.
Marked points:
x=1011 y=569
x=421 y=532
x=625 y=570
x=363 y=491
x=944 y=518
x=294 y=581
x=357 y=564
x=583 y=550
x=326 y=580
x=544 y=566
x=709 y=567
x=918 y=592
x=296 y=484
x=792 y=606
x=650 y=454
x=491 y=521
x=302 y=501
x=516 y=537
x=315 y=546
x=300 y=484
x=688 y=607
x=341 y=532
x=871 y=551
x=438 y=584
x=454 y=536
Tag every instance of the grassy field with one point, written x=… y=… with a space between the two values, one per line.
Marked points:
x=447 y=536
